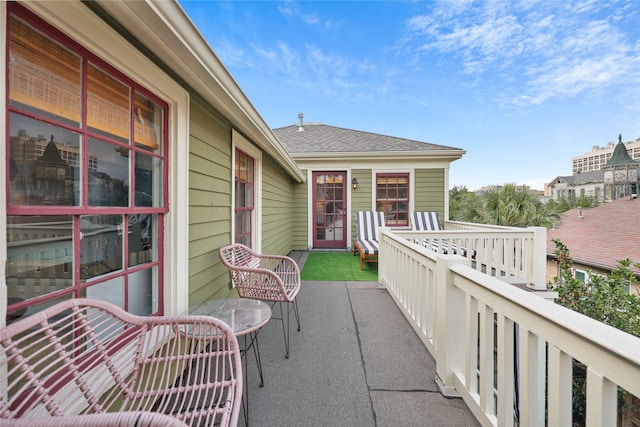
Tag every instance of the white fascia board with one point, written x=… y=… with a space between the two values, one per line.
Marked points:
x=446 y=155
x=165 y=29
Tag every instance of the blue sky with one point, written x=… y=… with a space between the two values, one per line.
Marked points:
x=521 y=86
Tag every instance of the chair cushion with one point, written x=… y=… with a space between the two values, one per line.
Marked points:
x=367 y=225
x=369 y=247
x=425 y=221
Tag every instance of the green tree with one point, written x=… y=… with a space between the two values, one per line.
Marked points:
x=603 y=298
x=563 y=204
x=508 y=206
x=459 y=197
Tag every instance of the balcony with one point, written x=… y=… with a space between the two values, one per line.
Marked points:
x=441 y=342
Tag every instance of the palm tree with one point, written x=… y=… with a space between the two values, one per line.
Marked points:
x=510 y=206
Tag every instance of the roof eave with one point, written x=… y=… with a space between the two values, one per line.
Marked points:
x=450 y=155
x=166 y=30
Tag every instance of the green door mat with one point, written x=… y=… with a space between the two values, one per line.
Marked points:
x=337 y=266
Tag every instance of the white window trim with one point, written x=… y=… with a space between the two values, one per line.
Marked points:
x=241 y=143
x=75 y=20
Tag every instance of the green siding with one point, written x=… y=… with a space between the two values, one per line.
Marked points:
x=361 y=198
x=300 y=216
x=277 y=209
x=429 y=191
x=209 y=204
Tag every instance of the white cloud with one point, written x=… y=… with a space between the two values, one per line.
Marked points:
x=548 y=49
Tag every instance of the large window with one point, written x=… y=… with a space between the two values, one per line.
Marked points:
x=392 y=198
x=244 y=197
x=87 y=174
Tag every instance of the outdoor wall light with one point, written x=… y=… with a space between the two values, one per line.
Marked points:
x=354 y=183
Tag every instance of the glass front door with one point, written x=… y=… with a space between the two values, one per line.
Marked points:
x=329 y=210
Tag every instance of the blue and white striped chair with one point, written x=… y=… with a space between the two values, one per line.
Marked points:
x=430 y=221
x=426 y=221
x=366 y=242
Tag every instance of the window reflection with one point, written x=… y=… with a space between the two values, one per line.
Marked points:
x=141 y=239
x=142 y=300
x=39 y=256
x=44 y=163
x=111 y=291
x=109 y=179
x=148 y=190
x=100 y=245
x=148 y=124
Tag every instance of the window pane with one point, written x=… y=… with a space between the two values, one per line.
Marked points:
x=111 y=291
x=108 y=174
x=148 y=180
x=100 y=245
x=39 y=255
x=108 y=106
x=44 y=163
x=142 y=300
x=240 y=195
x=142 y=235
x=249 y=196
x=44 y=77
x=148 y=124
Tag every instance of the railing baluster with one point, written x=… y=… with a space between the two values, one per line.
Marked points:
x=559 y=380
x=602 y=400
x=471 y=344
x=486 y=358
x=505 y=371
x=531 y=369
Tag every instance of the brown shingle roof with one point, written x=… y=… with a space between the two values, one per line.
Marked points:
x=321 y=138
x=605 y=234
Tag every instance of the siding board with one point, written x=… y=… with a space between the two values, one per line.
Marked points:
x=209 y=204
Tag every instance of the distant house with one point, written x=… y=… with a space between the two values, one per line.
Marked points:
x=583 y=184
x=597 y=238
x=349 y=170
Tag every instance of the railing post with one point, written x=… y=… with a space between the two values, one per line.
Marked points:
x=539 y=259
x=450 y=325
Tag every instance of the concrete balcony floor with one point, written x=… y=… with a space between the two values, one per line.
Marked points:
x=355 y=362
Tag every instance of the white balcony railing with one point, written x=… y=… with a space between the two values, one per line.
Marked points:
x=516 y=255
x=505 y=351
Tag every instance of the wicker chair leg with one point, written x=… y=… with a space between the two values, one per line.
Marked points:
x=286 y=322
x=297 y=313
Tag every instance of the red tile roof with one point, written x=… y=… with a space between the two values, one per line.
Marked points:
x=604 y=235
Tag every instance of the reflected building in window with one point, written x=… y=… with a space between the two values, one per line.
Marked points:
x=43 y=171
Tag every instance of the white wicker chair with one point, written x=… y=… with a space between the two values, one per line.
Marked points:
x=274 y=278
x=99 y=365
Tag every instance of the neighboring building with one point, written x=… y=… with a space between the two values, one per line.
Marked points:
x=589 y=184
x=620 y=174
x=599 y=156
x=131 y=156
x=349 y=171
x=597 y=238
x=615 y=178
